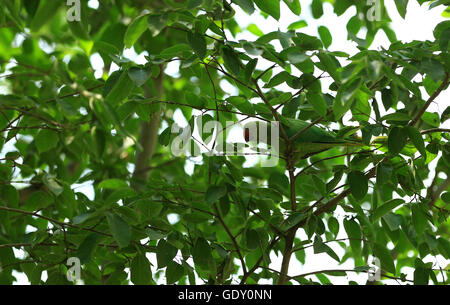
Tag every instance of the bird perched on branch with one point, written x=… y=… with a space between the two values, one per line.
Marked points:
x=306 y=139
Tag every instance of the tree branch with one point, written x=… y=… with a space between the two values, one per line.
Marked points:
x=149 y=136
x=430 y=100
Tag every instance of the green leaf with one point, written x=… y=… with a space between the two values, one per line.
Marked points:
x=354 y=233
x=128 y=214
x=294 y=6
x=112 y=184
x=416 y=137
x=214 y=193
x=246 y=5
x=419 y=219
x=253 y=48
x=345 y=97
x=317 y=8
x=333 y=226
x=120 y=89
x=385 y=257
x=165 y=253
x=421 y=276
x=87 y=247
x=325 y=36
x=434 y=69
x=336 y=179
x=354 y=25
x=136 y=28
x=444 y=247
x=174 y=272
x=393 y=221
x=297 y=25
x=446 y=197
x=294 y=219
x=176 y=50
x=320 y=247
x=319 y=185
x=279 y=182
x=389 y=98
x=198 y=43
x=119 y=229
x=46 y=10
x=444 y=40
x=140 y=270
x=384 y=173
x=278 y=79
x=336 y=273
x=421 y=273
x=253 y=28
x=296 y=56
x=46 y=139
x=397 y=140
x=156 y=23
x=231 y=60
x=307 y=42
x=318 y=102
x=202 y=254
x=401 y=7
x=252 y=238
x=241 y=104
x=359 y=184
x=34 y=275
x=10 y=195
x=386 y=208
x=139 y=75
x=154 y=235
x=431 y=118
x=271 y=7
x=362 y=268
x=194 y=3
x=396 y=116
x=250 y=68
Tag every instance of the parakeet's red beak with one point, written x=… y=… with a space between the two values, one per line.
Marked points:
x=246 y=134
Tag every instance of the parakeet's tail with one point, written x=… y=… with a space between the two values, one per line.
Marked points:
x=352 y=143
x=357 y=141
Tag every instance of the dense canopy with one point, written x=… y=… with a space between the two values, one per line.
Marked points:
x=97 y=99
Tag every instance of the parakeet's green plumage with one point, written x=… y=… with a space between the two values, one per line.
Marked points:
x=312 y=141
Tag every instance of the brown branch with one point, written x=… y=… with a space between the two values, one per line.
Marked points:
x=431 y=99
x=435 y=130
x=434 y=194
x=290 y=236
x=67 y=224
x=149 y=136
x=272 y=110
x=346 y=270
x=236 y=245
x=258 y=262
x=330 y=158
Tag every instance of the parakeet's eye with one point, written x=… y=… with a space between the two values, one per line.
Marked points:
x=246 y=134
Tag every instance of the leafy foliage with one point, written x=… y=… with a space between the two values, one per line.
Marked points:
x=63 y=126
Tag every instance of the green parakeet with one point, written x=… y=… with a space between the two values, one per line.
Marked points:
x=312 y=141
